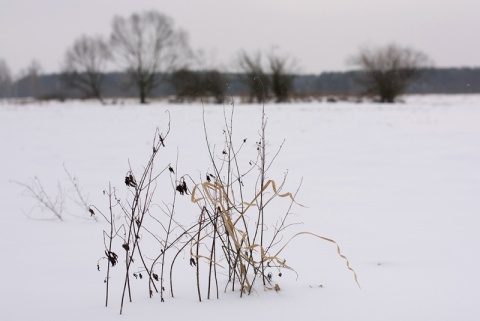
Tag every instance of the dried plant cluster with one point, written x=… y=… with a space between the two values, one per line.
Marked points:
x=234 y=239
x=53 y=207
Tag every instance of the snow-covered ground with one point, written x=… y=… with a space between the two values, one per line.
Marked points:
x=397 y=186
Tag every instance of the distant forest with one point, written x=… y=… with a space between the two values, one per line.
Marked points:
x=118 y=85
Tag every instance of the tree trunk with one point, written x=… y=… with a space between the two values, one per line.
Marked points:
x=143 y=95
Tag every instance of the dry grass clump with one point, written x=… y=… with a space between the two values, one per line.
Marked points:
x=231 y=238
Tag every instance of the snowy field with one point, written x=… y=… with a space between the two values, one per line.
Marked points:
x=397 y=186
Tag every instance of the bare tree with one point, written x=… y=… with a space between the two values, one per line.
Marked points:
x=191 y=85
x=147 y=44
x=32 y=76
x=213 y=80
x=388 y=71
x=84 y=65
x=5 y=79
x=281 y=68
x=215 y=84
x=254 y=76
x=187 y=84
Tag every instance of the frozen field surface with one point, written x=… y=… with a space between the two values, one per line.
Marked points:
x=397 y=186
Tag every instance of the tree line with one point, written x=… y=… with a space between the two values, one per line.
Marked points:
x=149 y=49
x=152 y=52
x=304 y=87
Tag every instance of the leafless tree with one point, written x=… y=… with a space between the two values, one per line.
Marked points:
x=388 y=71
x=31 y=75
x=5 y=79
x=187 y=84
x=147 y=44
x=213 y=79
x=281 y=68
x=215 y=84
x=85 y=63
x=191 y=85
x=254 y=76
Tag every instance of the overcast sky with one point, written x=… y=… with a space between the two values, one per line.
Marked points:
x=320 y=34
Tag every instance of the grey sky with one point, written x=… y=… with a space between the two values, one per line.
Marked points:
x=321 y=34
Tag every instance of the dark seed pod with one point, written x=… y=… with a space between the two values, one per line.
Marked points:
x=155 y=276
x=185 y=189
x=126 y=247
x=179 y=189
x=133 y=182
x=112 y=257
x=130 y=181
x=192 y=262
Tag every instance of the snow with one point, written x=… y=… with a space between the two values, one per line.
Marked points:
x=397 y=186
